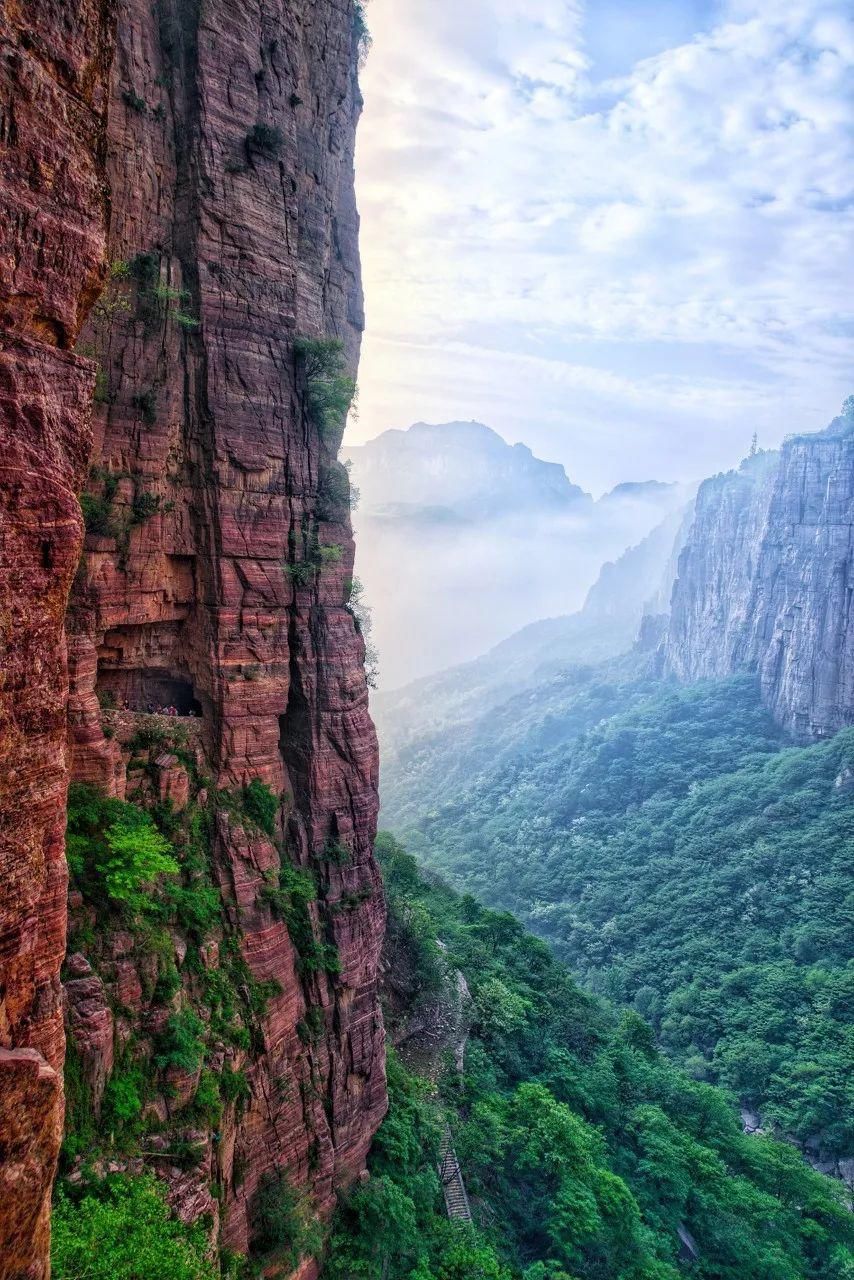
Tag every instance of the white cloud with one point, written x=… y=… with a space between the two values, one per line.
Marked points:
x=699 y=210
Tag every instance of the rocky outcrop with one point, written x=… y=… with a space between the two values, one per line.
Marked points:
x=91 y=1024
x=216 y=576
x=766 y=579
x=53 y=70
x=30 y=1122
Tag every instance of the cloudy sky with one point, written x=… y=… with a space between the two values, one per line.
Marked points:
x=620 y=231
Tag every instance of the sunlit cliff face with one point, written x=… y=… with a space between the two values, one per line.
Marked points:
x=612 y=230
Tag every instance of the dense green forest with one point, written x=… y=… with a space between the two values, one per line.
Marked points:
x=683 y=861
x=586 y=1154
x=686 y=863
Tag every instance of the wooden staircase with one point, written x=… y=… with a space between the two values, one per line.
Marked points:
x=457 y=1204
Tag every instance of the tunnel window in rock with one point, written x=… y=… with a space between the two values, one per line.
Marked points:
x=152 y=690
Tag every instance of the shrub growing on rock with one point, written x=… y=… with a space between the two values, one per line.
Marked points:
x=284 y=1226
x=115 y=849
x=265 y=138
x=302 y=573
x=260 y=805
x=180 y=1044
x=122 y=1229
x=328 y=390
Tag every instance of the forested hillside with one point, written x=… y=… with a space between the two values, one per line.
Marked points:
x=617 y=981
x=422 y=773
x=685 y=861
x=587 y=1156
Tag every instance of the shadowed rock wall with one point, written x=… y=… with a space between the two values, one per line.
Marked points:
x=53 y=207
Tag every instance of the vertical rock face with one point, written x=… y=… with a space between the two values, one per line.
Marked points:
x=53 y=75
x=219 y=552
x=766 y=580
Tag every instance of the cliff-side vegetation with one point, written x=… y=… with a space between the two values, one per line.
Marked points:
x=587 y=1156
x=166 y=1020
x=122 y=1230
x=115 y=851
x=328 y=389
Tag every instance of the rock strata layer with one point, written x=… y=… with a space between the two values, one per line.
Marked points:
x=216 y=580
x=53 y=207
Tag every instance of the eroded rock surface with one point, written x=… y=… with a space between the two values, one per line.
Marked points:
x=233 y=231
x=53 y=79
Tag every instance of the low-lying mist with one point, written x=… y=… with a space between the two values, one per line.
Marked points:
x=463 y=539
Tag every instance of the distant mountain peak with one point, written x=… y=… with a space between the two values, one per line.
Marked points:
x=432 y=434
x=471 y=429
x=466 y=467
x=638 y=489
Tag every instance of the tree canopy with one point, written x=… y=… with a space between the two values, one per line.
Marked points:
x=587 y=1156
x=685 y=861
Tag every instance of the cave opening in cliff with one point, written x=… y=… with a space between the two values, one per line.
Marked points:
x=153 y=690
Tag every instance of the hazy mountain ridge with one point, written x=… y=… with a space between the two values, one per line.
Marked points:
x=627 y=588
x=463 y=539
x=748 y=596
x=461 y=467
x=657 y=830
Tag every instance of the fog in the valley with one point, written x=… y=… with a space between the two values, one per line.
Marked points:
x=462 y=539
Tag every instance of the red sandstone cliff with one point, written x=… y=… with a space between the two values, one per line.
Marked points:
x=53 y=71
x=205 y=586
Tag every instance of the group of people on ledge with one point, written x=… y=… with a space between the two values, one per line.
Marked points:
x=154 y=709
